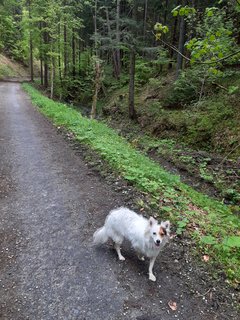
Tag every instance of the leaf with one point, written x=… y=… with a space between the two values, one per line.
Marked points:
x=232 y=89
x=182 y=11
x=212 y=37
x=232 y=241
x=175 y=13
x=172 y=305
x=208 y=240
x=182 y=224
x=210 y=14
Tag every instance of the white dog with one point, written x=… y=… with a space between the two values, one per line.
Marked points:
x=146 y=236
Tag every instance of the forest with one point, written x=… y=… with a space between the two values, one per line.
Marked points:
x=76 y=47
x=165 y=75
x=172 y=67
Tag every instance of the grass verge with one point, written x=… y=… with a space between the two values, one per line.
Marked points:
x=211 y=224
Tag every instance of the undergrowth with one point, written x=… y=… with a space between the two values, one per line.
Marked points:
x=6 y=71
x=211 y=224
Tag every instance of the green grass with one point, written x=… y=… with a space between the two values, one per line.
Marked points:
x=213 y=227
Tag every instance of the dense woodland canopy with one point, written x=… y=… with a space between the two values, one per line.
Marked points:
x=79 y=48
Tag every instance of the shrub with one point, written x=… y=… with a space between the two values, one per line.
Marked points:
x=185 y=89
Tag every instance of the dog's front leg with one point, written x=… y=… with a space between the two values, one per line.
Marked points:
x=118 y=249
x=151 y=275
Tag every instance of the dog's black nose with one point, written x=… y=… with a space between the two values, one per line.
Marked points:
x=158 y=241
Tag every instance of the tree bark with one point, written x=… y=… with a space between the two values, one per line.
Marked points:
x=73 y=54
x=95 y=28
x=145 y=18
x=46 y=43
x=30 y=42
x=65 y=49
x=97 y=87
x=65 y=58
x=59 y=54
x=181 y=44
x=117 y=53
x=173 y=42
x=165 y=12
x=52 y=77
x=131 y=105
x=114 y=55
x=41 y=53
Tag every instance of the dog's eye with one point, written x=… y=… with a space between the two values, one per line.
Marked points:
x=154 y=233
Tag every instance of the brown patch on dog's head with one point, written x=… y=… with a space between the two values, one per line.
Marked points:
x=162 y=232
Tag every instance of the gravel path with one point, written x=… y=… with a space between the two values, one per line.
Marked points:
x=50 y=205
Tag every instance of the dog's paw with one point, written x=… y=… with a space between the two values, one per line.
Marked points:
x=141 y=258
x=122 y=258
x=152 y=277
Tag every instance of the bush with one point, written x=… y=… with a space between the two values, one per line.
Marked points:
x=185 y=89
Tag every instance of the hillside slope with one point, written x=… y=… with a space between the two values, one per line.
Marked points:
x=12 y=70
x=174 y=111
x=199 y=140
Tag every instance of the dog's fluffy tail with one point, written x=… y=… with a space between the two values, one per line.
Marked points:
x=100 y=236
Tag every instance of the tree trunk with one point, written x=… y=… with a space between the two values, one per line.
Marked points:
x=73 y=54
x=165 y=12
x=145 y=18
x=181 y=45
x=46 y=43
x=41 y=70
x=31 y=58
x=114 y=56
x=79 y=53
x=52 y=77
x=65 y=48
x=97 y=87
x=59 y=54
x=41 y=53
x=95 y=28
x=131 y=106
x=45 y=75
x=173 y=42
x=117 y=51
x=30 y=41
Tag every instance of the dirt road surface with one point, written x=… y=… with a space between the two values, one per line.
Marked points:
x=51 y=202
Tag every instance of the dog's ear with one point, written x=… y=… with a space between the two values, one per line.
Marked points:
x=167 y=225
x=152 y=221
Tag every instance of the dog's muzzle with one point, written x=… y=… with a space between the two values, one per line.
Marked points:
x=157 y=243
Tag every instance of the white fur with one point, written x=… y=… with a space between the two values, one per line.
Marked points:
x=143 y=234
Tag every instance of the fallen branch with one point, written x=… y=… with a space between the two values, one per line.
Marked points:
x=204 y=294
x=220 y=86
x=220 y=164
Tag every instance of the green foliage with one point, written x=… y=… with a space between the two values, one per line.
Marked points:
x=143 y=71
x=181 y=226
x=9 y=33
x=186 y=88
x=204 y=174
x=183 y=11
x=232 y=242
x=208 y=240
x=214 y=40
x=233 y=89
x=213 y=218
x=6 y=71
x=159 y=29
